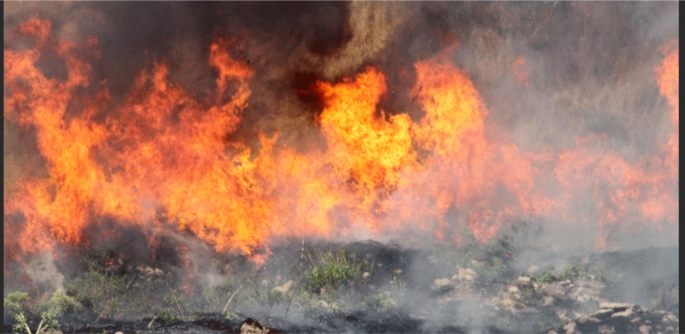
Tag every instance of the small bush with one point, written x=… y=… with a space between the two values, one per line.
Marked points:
x=24 y=317
x=545 y=276
x=334 y=269
x=573 y=272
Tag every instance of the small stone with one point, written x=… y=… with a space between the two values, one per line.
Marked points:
x=571 y=328
x=470 y=273
x=398 y=271
x=601 y=314
x=615 y=306
x=582 y=320
x=669 y=318
x=606 y=329
x=636 y=319
x=533 y=269
x=523 y=279
x=547 y=301
x=624 y=314
x=119 y=332
x=285 y=288
x=250 y=326
x=366 y=274
x=644 y=329
x=441 y=282
x=593 y=319
x=513 y=289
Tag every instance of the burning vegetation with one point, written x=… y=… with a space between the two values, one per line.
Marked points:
x=230 y=172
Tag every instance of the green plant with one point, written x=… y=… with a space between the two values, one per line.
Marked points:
x=573 y=272
x=102 y=293
x=59 y=303
x=545 y=276
x=166 y=315
x=333 y=269
x=230 y=316
x=379 y=301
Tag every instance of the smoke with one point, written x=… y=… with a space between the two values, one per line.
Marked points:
x=557 y=79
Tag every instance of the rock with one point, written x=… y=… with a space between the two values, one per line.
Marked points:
x=119 y=333
x=582 y=320
x=441 y=282
x=571 y=328
x=250 y=326
x=547 y=301
x=533 y=269
x=628 y=312
x=604 y=313
x=467 y=274
x=606 y=329
x=644 y=329
x=669 y=318
x=615 y=306
x=285 y=288
x=523 y=281
x=513 y=289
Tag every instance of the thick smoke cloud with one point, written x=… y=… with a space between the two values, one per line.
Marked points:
x=549 y=74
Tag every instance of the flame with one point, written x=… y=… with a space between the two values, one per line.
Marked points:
x=522 y=70
x=161 y=161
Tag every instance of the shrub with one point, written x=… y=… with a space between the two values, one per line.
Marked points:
x=334 y=269
x=59 y=303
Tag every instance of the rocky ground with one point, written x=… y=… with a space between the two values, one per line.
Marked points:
x=417 y=292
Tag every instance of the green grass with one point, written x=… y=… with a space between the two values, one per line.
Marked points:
x=333 y=269
x=545 y=276
x=573 y=272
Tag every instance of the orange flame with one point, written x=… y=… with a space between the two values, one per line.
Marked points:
x=161 y=161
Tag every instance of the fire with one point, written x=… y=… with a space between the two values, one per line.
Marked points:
x=161 y=161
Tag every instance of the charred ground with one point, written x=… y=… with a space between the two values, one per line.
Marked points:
x=379 y=288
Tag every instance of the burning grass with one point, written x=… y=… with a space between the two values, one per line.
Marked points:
x=165 y=197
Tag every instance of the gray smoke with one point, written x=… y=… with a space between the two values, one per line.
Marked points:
x=587 y=70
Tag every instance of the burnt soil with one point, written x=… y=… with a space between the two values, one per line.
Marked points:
x=482 y=304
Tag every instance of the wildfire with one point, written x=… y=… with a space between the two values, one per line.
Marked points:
x=161 y=160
